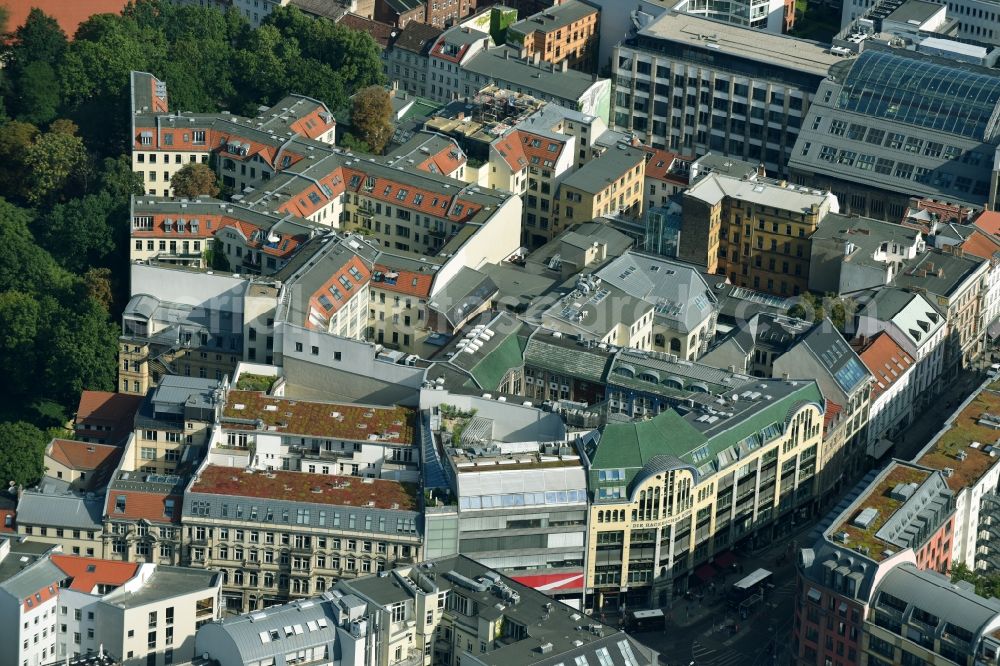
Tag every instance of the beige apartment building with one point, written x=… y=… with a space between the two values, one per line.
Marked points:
x=565 y=32
x=754 y=231
x=277 y=535
x=671 y=492
x=610 y=184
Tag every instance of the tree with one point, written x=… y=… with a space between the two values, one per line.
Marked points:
x=39 y=39
x=78 y=233
x=16 y=139
x=53 y=161
x=81 y=352
x=37 y=100
x=195 y=179
x=22 y=453
x=371 y=117
x=21 y=315
x=97 y=285
x=352 y=142
x=23 y=265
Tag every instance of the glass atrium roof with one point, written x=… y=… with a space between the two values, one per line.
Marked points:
x=922 y=92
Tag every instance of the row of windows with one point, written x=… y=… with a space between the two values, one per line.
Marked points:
x=900 y=169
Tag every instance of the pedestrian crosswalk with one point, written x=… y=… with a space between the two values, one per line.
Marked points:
x=701 y=654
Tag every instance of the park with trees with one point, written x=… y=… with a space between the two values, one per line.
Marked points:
x=66 y=180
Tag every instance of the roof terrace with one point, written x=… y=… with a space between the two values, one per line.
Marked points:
x=968 y=448
x=304 y=487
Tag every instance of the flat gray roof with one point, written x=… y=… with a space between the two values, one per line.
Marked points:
x=568 y=85
x=165 y=583
x=554 y=18
x=796 y=54
x=597 y=174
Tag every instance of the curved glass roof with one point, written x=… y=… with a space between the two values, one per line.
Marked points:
x=921 y=92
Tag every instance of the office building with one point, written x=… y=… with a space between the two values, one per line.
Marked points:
x=694 y=85
x=671 y=492
x=901 y=517
x=875 y=144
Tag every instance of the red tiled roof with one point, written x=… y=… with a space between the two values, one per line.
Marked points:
x=886 y=360
x=659 y=162
x=33 y=601
x=83 y=456
x=512 y=152
x=408 y=283
x=88 y=572
x=540 y=149
x=380 y=32
x=981 y=245
x=833 y=410
x=111 y=410
x=326 y=291
x=68 y=13
x=304 y=487
x=149 y=506
x=989 y=221
x=445 y=161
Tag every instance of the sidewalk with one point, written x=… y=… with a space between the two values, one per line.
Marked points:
x=712 y=602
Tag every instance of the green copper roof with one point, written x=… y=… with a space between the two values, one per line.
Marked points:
x=709 y=447
x=489 y=372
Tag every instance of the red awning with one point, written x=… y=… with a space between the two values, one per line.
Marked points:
x=705 y=572
x=724 y=559
x=544 y=582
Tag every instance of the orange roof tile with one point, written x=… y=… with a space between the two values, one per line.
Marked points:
x=305 y=487
x=540 y=149
x=989 y=221
x=981 y=245
x=333 y=294
x=149 y=506
x=408 y=283
x=886 y=360
x=108 y=410
x=445 y=161
x=512 y=152
x=68 y=14
x=86 y=573
x=83 y=456
x=832 y=413
x=659 y=162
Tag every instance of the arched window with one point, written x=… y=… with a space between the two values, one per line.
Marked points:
x=675 y=345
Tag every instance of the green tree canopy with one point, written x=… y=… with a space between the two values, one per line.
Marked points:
x=78 y=234
x=53 y=160
x=371 y=117
x=195 y=179
x=22 y=453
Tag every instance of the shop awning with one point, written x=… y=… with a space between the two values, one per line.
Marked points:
x=705 y=572
x=724 y=559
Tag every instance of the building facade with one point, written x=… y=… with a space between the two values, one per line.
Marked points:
x=669 y=493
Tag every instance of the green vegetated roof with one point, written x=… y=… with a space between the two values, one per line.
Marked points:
x=632 y=445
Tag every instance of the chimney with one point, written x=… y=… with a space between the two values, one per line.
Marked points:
x=563 y=65
x=761 y=171
x=536 y=57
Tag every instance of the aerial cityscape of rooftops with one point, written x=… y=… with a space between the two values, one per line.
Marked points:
x=500 y=333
